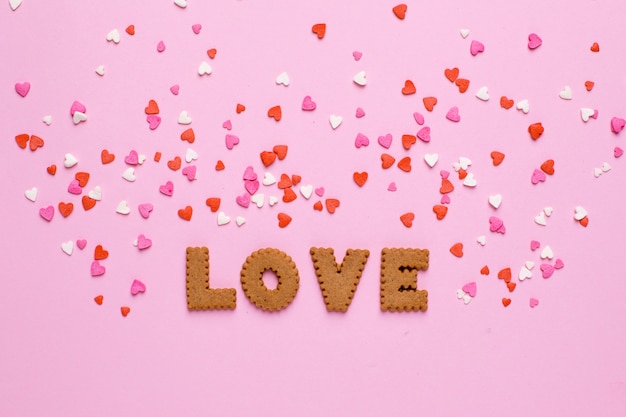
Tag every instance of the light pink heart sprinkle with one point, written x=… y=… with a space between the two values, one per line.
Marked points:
x=308 y=104
x=453 y=115
x=445 y=199
x=546 y=270
x=74 y=188
x=153 y=121
x=558 y=264
x=385 y=141
x=538 y=176
x=533 y=302
x=319 y=191
x=392 y=187
x=249 y=174
x=359 y=112
x=81 y=243
x=132 y=158
x=470 y=288
x=231 y=141
x=137 y=286
x=47 y=213
x=97 y=269
x=143 y=242
x=77 y=106
x=617 y=152
x=252 y=186
x=161 y=46
x=496 y=225
x=196 y=28
x=22 y=88
x=145 y=209
x=357 y=55
x=243 y=200
x=175 y=89
x=419 y=119
x=534 y=41
x=424 y=134
x=617 y=124
x=534 y=245
x=361 y=140
x=476 y=48
x=444 y=174
x=167 y=189
x=227 y=125
x=190 y=172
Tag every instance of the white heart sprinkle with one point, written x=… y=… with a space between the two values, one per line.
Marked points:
x=547 y=253
x=68 y=247
x=606 y=167
x=96 y=193
x=114 y=36
x=566 y=93
x=335 y=121
x=359 y=79
x=141 y=159
x=183 y=118
x=495 y=200
x=469 y=180
x=482 y=94
x=100 y=70
x=122 y=207
x=306 y=191
x=540 y=219
x=283 y=79
x=586 y=113
x=482 y=240
x=15 y=4
x=579 y=213
x=79 y=117
x=205 y=68
x=240 y=220
x=181 y=3
x=135 y=243
x=31 y=194
x=523 y=105
x=129 y=174
x=222 y=219
x=464 y=33
x=462 y=295
x=273 y=200
x=47 y=120
x=70 y=160
x=258 y=199
x=269 y=179
x=431 y=159
x=597 y=172
x=548 y=210
x=465 y=162
x=524 y=273
x=529 y=265
x=190 y=155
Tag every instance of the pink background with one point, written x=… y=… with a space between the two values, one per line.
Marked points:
x=62 y=355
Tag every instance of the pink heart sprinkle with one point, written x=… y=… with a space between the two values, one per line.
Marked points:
x=252 y=186
x=97 y=269
x=145 y=209
x=190 y=172
x=132 y=158
x=227 y=125
x=617 y=152
x=496 y=225
x=167 y=189
x=153 y=121
x=231 y=141
x=534 y=41
x=22 y=88
x=418 y=118
x=470 y=288
x=308 y=104
x=196 y=28
x=319 y=191
x=361 y=140
x=143 y=242
x=385 y=141
x=77 y=106
x=424 y=134
x=546 y=270
x=74 y=188
x=249 y=174
x=81 y=243
x=534 y=245
x=476 y=48
x=160 y=46
x=357 y=55
x=533 y=302
x=137 y=286
x=444 y=174
x=392 y=187
x=359 y=112
x=558 y=264
x=617 y=124
x=175 y=89
x=445 y=199
x=595 y=114
x=47 y=213
x=538 y=176
x=243 y=200
x=453 y=114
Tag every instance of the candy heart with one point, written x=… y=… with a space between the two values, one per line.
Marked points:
x=548 y=211
x=529 y=265
x=453 y=114
x=227 y=125
x=469 y=181
x=114 y=36
x=68 y=247
x=96 y=193
x=306 y=191
x=407 y=219
x=258 y=199
x=533 y=302
x=190 y=155
x=523 y=105
x=558 y=264
x=548 y=167
x=524 y=273
x=540 y=219
x=482 y=94
x=31 y=194
x=143 y=242
x=251 y=186
x=586 y=113
x=97 y=269
x=464 y=163
x=579 y=213
x=269 y=179
x=137 y=286
x=167 y=189
x=534 y=245
x=444 y=175
x=122 y=207
x=231 y=141
x=47 y=120
x=222 y=219
x=319 y=29
x=100 y=70
x=534 y=41
x=424 y=134
x=249 y=174
x=190 y=172
x=482 y=239
x=617 y=152
x=359 y=112
x=77 y=106
x=385 y=141
x=359 y=79
x=496 y=225
x=617 y=124
x=74 y=188
x=440 y=211
x=243 y=200
x=495 y=200
x=160 y=46
x=462 y=295
x=14 y=4
x=196 y=28
x=70 y=160
x=392 y=187
x=272 y=200
x=409 y=88
x=361 y=140
x=357 y=55
x=204 y=68
x=606 y=167
x=129 y=174
x=538 y=176
x=22 y=88
x=145 y=209
x=445 y=199
x=431 y=159
x=183 y=118
x=240 y=220
x=400 y=11
x=546 y=253
x=566 y=93
x=429 y=103
x=451 y=74
x=419 y=119
x=476 y=48
x=470 y=288
x=506 y=103
x=175 y=89
x=79 y=117
x=335 y=121
x=457 y=250
x=181 y=3
x=319 y=191
x=153 y=121
x=546 y=270
x=308 y=104
x=283 y=79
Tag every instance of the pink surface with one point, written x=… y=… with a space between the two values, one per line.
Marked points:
x=61 y=354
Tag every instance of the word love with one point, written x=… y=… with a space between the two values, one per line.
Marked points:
x=338 y=282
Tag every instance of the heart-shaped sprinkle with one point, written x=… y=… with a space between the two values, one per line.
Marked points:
x=445 y=199
x=457 y=249
x=196 y=28
x=319 y=191
x=476 y=48
x=548 y=167
x=482 y=94
x=586 y=113
x=167 y=189
x=130 y=29
x=385 y=141
x=357 y=55
x=306 y=191
x=431 y=159
x=506 y=103
x=541 y=219
x=535 y=130
x=470 y=288
x=283 y=220
x=243 y=200
x=137 y=286
x=359 y=112
x=538 y=176
x=282 y=78
x=482 y=240
x=359 y=79
x=617 y=152
x=409 y=88
x=524 y=274
x=231 y=141
x=47 y=213
x=497 y=158
x=204 y=69
x=153 y=121
x=122 y=207
x=453 y=114
x=496 y=225
x=505 y=274
x=145 y=209
x=407 y=219
x=533 y=302
x=14 y=4
x=495 y=200
x=308 y=104
x=534 y=245
x=579 y=213
x=67 y=247
x=97 y=269
x=523 y=105
x=400 y=11
x=484 y=270
x=175 y=89
x=617 y=124
x=464 y=33
x=462 y=295
x=451 y=74
x=185 y=213
x=566 y=93
x=361 y=140
x=251 y=186
x=113 y=36
x=335 y=121
x=546 y=270
x=424 y=134
x=392 y=187
x=319 y=29
x=143 y=242
x=31 y=194
x=440 y=211
x=534 y=41
x=81 y=243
